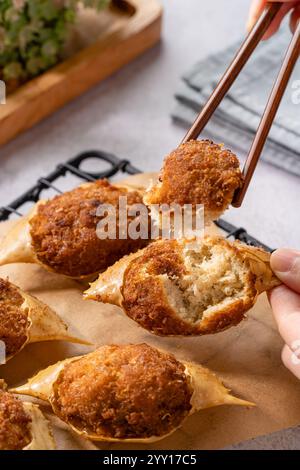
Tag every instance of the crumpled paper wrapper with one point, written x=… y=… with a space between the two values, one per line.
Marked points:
x=245 y=357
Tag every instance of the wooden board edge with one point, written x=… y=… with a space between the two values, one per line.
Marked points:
x=47 y=93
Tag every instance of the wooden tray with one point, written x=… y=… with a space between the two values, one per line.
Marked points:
x=118 y=35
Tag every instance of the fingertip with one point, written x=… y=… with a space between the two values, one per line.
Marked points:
x=256 y=8
x=286 y=355
x=282 y=260
x=290 y=360
x=286 y=358
x=251 y=22
x=286 y=265
x=249 y=25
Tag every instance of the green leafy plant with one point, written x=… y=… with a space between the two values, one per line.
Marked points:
x=33 y=33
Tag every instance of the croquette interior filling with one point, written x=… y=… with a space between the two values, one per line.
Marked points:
x=214 y=279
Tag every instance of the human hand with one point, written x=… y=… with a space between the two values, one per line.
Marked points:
x=257 y=7
x=285 y=302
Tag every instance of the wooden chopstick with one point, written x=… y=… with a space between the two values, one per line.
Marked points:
x=238 y=63
x=275 y=98
x=269 y=114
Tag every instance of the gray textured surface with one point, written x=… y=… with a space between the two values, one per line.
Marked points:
x=129 y=114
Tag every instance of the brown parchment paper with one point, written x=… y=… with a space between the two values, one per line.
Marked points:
x=246 y=357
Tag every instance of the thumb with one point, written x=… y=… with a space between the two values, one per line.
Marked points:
x=286 y=265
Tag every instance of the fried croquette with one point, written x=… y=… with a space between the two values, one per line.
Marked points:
x=14 y=423
x=128 y=393
x=14 y=321
x=181 y=287
x=198 y=172
x=25 y=319
x=63 y=232
x=132 y=391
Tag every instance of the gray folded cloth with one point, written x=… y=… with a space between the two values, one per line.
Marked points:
x=237 y=118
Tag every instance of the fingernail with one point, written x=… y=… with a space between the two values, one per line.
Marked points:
x=283 y=260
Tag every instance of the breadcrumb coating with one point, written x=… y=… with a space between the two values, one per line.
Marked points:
x=14 y=423
x=14 y=321
x=132 y=391
x=64 y=234
x=198 y=172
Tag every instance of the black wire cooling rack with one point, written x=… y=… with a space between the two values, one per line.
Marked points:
x=115 y=166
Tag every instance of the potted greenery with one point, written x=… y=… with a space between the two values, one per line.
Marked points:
x=33 y=34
